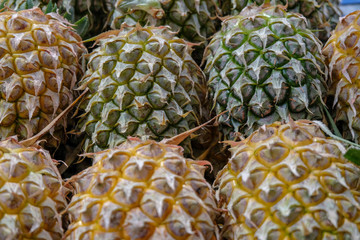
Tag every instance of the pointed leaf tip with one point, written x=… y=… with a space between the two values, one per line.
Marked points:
x=82 y=26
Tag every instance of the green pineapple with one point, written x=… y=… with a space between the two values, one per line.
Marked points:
x=143 y=82
x=264 y=66
x=323 y=15
x=193 y=20
x=18 y=5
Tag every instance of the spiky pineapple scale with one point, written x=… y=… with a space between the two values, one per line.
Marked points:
x=342 y=55
x=32 y=193
x=322 y=15
x=143 y=82
x=263 y=66
x=40 y=63
x=18 y=5
x=194 y=21
x=288 y=181
x=142 y=190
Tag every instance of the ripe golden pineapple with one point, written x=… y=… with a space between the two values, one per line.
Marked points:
x=343 y=57
x=290 y=182
x=31 y=192
x=142 y=190
x=39 y=65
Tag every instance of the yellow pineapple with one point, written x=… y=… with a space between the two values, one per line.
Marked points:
x=31 y=192
x=142 y=190
x=289 y=182
x=39 y=66
x=343 y=57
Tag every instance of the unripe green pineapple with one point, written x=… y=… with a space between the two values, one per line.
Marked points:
x=31 y=192
x=142 y=190
x=142 y=82
x=289 y=182
x=40 y=63
x=343 y=56
x=323 y=15
x=94 y=12
x=263 y=66
x=18 y=5
x=194 y=20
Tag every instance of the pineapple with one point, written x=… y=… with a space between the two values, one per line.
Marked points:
x=289 y=182
x=94 y=11
x=194 y=20
x=142 y=82
x=40 y=63
x=18 y=5
x=142 y=190
x=322 y=15
x=263 y=66
x=343 y=56
x=31 y=192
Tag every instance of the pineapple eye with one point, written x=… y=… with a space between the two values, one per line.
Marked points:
x=18 y=24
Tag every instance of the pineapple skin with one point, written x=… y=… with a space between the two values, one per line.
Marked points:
x=95 y=11
x=193 y=20
x=143 y=83
x=288 y=181
x=32 y=193
x=342 y=56
x=323 y=15
x=40 y=63
x=142 y=190
x=18 y=5
x=263 y=66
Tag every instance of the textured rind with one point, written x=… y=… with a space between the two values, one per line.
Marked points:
x=143 y=83
x=342 y=53
x=194 y=20
x=289 y=182
x=323 y=15
x=18 y=5
x=263 y=66
x=31 y=192
x=39 y=65
x=142 y=190
x=96 y=12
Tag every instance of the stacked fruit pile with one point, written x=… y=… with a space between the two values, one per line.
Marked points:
x=265 y=94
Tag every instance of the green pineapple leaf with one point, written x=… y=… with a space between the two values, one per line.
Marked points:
x=353 y=155
x=331 y=121
x=2 y=5
x=29 y=4
x=82 y=26
x=51 y=7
